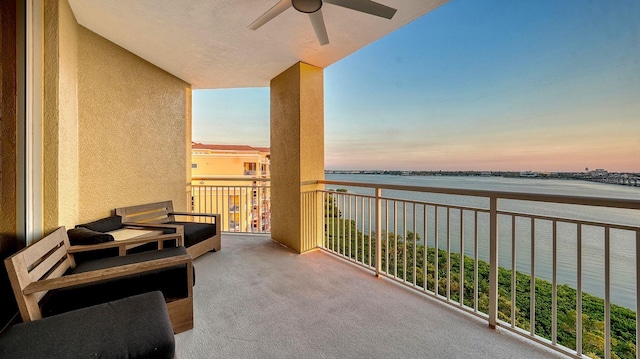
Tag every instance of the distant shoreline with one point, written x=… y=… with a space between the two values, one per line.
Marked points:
x=600 y=176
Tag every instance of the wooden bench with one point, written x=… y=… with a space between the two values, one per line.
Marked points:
x=47 y=268
x=199 y=237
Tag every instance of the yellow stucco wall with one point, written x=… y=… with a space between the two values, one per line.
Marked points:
x=50 y=117
x=297 y=147
x=60 y=117
x=68 y=173
x=116 y=129
x=134 y=129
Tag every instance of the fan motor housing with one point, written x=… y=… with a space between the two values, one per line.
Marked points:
x=307 y=6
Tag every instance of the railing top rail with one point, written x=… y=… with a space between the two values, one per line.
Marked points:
x=220 y=178
x=523 y=196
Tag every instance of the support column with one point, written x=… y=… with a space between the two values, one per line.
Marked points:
x=297 y=148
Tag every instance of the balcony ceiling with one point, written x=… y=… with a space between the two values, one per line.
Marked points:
x=207 y=43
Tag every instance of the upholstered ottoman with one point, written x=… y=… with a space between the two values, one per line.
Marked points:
x=133 y=327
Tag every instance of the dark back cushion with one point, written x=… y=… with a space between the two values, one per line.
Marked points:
x=104 y=225
x=83 y=235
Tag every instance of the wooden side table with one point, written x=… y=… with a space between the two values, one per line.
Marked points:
x=125 y=235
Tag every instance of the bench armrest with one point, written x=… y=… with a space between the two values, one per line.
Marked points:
x=178 y=228
x=103 y=274
x=115 y=244
x=212 y=215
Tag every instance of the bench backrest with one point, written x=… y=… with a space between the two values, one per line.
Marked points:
x=47 y=258
x=159 y=212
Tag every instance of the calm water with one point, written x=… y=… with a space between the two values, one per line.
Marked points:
x=623 y=261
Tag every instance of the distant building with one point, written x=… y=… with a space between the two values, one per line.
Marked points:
x=230 y=160
x=221 y=183
x=529 y=174
x=599 y=173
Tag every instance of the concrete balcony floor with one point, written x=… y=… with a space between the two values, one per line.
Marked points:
x=257 y=299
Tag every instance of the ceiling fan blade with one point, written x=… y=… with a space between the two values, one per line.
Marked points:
x=276 y=10
x=366 y=6
x=317 y=20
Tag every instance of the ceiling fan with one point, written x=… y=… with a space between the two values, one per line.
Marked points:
x=314 y=9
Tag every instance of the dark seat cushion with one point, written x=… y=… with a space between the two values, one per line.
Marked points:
x=171 y=281
x=195 y=232
x=134 y=327
x=104 y=225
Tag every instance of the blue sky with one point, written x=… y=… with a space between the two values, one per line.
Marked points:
x=474 y=85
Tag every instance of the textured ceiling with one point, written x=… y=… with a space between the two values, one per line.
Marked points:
x=207 y=43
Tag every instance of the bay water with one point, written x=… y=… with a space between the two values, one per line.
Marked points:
x=623 y=246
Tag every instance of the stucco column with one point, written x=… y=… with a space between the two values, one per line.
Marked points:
x=297 y=149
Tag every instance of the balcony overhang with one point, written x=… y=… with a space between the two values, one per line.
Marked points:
x=207 y=43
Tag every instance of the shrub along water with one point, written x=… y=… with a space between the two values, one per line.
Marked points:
x=343 y=237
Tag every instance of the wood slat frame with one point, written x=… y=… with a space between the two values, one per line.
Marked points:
x=151 y=215
x=104 y=274
x=40 y=267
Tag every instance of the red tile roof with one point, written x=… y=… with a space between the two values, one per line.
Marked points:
x=204 y=146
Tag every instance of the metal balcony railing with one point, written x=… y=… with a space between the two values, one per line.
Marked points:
x=479 y=250
x=476 y=251
x=243 y=203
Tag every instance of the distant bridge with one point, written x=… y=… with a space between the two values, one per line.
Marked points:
x=623 y=180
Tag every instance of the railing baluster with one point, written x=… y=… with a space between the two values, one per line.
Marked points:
x=348 y=237
x=364 y=225
x=345 y=222
x=461 y=259
x=327 y=215
x=637 y=291
x=336 y=223
x=425 y=249
x=607 y=293
x=387 y=257
x=378 y=231
x=237 y=200
x=532 y=279
x=395 y=239
x=554 y=285
x=325 y=229
x=436 y=253
x=475 y=261
x=579 y=291
x=259 y=207
x=341 y=222
x=370 y=234
x=513 y=271
x=355 y=201
x=404 y=244
x=493 y=262
x=448 y=253
x=415 y=250
x=218 y=205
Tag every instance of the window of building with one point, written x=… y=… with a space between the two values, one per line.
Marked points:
x=250 y=168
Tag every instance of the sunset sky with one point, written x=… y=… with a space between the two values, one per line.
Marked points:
x=474 y=85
